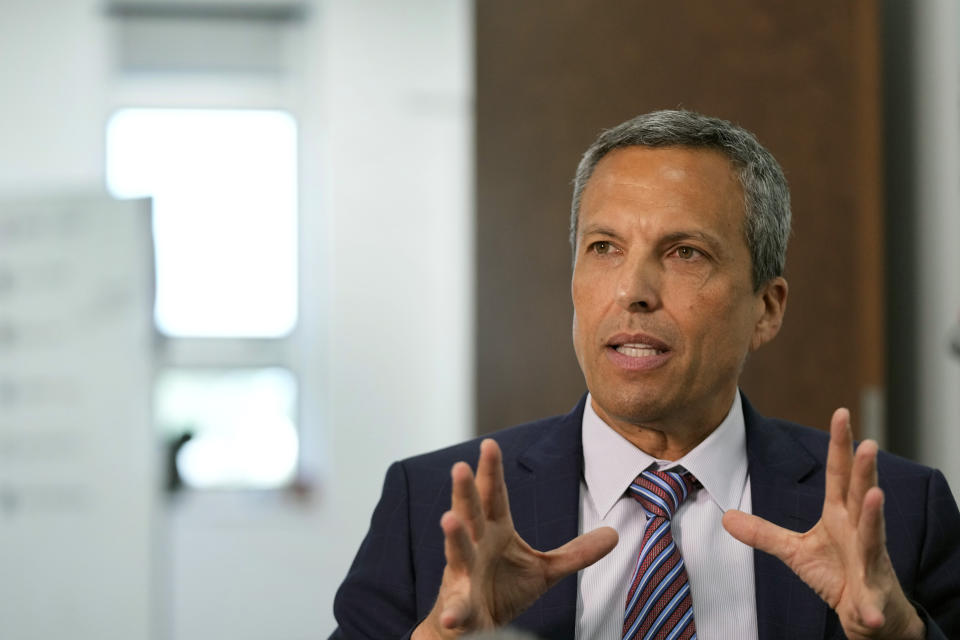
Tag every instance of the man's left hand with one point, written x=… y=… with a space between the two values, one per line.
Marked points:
x=844 y=556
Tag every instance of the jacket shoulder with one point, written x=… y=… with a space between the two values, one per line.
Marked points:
x=817 y=442
x=512 y=441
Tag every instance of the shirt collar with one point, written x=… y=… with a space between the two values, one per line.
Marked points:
x=611 y=462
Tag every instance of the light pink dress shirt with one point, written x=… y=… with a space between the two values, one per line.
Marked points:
x=720 y=568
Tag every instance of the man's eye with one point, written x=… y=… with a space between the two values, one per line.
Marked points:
x=601 y=247
x=687 y=253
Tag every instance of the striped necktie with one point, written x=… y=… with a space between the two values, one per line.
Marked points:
x=659 y=606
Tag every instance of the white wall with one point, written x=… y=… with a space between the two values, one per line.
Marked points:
x=77 y=528
x=384 y=347
x=398 y=153
x=937 y=150
x=52 y=79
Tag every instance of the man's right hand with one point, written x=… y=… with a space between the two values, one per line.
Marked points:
x=492 y=575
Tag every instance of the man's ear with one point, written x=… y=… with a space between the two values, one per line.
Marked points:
x=771 y=305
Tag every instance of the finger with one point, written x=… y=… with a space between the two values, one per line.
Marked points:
x=884 y=594
x=871 y=531
x=466 y=501
x=871 y=615
x=760 y=534
x=580 y=552
x=457 y=545
x=490 y=482
x=456 y=612
x=876 y=564
x=839 y=458
x=863 y=477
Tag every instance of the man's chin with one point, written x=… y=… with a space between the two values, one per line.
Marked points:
x=636 y=408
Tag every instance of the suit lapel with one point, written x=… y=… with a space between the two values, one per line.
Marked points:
x=786 y=484
x=547 y=515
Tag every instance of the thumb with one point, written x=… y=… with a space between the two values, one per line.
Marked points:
x=580 y=552
x=759 y=533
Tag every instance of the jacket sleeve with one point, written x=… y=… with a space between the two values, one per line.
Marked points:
x=377 y=599
x=937 y=590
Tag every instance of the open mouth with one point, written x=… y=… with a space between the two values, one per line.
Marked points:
x=637 y=345
x=638 y=350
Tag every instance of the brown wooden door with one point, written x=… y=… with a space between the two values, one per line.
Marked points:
x=803 y=76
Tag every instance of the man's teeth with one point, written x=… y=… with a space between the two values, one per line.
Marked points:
x=638 y=350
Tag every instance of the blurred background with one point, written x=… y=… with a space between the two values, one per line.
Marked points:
x=252 y=251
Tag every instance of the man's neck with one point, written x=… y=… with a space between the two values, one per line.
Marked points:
x=665 y=439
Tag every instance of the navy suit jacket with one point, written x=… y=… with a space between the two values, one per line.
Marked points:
x=396 y=575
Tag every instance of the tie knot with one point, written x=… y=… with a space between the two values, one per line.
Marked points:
x=661 y=493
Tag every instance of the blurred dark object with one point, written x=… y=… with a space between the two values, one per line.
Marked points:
x=174 y=482
x=955 y=338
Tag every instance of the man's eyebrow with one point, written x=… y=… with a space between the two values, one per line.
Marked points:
x=598 y=229
x=678 y=236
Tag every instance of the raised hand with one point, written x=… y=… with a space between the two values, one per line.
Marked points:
x=844 y=556
x=492 y=575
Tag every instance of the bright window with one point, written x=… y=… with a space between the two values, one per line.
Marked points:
x=236 y=427
x=224 y=189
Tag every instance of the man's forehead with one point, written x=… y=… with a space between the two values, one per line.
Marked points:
x=672 y=161
x=664 y=173
x=636 y=180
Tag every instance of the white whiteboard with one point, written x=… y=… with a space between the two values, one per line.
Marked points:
x=78 y=487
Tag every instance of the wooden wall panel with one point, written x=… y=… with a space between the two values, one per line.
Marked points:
x=803 y=76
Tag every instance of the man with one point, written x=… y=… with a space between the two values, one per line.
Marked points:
x=679 y=229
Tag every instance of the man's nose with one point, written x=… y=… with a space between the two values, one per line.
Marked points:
x=638 y=288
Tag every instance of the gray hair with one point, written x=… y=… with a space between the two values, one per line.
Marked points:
x=766 y=194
